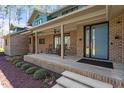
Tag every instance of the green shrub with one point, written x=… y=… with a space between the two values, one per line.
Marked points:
x=40 y=74
x=19 y=64
x=31 y=70
x=25 y=66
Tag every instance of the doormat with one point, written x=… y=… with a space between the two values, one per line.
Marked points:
x=97 y=63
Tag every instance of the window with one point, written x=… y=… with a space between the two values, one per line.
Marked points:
x=5 y=42
x=67 y=41
x=35 y=23
x=39 y=22
x=30 y=40
x=57 y=41
x=42 y=41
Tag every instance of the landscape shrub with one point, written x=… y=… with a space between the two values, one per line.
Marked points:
x=31 y=70
x=25 y=66
x=40 y=74
x=19 y=64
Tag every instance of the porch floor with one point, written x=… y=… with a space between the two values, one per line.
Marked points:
x=52 y=62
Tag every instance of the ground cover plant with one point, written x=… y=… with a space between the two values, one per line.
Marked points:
x=19 y=64
x=40 y=74
x=32 y=70
x=25 y=66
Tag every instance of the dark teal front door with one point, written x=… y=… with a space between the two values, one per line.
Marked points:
x=96 y=41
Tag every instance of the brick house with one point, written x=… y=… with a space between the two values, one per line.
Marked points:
x=92 y=33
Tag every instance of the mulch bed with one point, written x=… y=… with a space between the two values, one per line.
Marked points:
x=11 y=76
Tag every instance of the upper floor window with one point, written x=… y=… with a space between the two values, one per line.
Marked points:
x=37 y=16
x=41 y=41
x=41 y=20
x=38 y=22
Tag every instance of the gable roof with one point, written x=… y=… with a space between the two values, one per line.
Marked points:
x=13 y=26
x=34 y=13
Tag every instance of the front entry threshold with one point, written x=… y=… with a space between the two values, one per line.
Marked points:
x=96 y=62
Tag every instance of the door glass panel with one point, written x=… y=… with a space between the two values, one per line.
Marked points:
x=93 y=48
x=87 y=41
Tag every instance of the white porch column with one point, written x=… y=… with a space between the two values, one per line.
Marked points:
x=62 y=41
x=36 y=43
x=31 y=45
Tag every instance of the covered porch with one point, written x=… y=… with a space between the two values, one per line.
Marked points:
x=42 y=39
x=66 y=33
x=55 y=63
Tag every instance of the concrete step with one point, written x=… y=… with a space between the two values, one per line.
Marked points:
x=86 y=80
x=57 y=86
x=68 y=83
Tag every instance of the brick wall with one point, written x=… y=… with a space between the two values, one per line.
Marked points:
x=73 y=43
x=116 y=46
x=19 y=44
x=80 y=41
x=44 y=47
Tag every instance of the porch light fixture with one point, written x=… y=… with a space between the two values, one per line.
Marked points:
x=117 y=37
x=56 y=31
x=118 y=22
x=80 y=39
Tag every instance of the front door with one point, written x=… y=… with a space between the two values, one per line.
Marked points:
x=96 y=41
